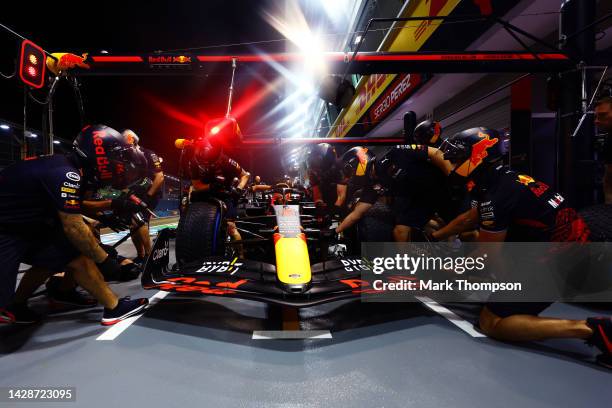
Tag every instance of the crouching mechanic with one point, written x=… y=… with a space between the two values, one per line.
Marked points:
x=515 y=207
x=140 y=236
x=213 y=171
x=41 y=222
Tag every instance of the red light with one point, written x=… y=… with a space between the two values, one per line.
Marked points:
x=32 y=64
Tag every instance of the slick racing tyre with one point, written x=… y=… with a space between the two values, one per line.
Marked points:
x=377 y=224
x=598 y=275
x=599 y=219
x=201 y=232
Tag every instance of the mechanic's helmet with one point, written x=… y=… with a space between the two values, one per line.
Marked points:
x=476 y=148
x=428 y=133
x=357 y=161
x=107 y=159
x=205 y=155
x=321 y=158
x=130 y=137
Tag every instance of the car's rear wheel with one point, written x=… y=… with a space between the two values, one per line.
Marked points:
x=201 y=232
x=599 y=219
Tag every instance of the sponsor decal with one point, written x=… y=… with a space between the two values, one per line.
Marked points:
x=71 y=175
x=525 y=180
x=65 y=61
x=362 y=155
x=101 y=158
x=556 y=201
x=192 y=285
x=170 y=59
x=64 y=195
x=538 y=188
x=72 y=202
x=68 y=190
x=220 y=267
x=396 y=93
x=161 y=252
x=70 y=185
x=353 y=265
x=479 y=150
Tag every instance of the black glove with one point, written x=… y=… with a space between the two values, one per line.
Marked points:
x=329 y=234
x=109 y=268
x=110 y=250
x=236 y=192
x=129 y=272
x=124 y=204
x=149 y=200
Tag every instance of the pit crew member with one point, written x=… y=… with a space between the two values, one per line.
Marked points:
x=140 y=235
x=515 y=207
x=212 y=170
x=326 y=181
x=41 y=224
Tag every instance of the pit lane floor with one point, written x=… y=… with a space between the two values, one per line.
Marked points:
x=186 y=352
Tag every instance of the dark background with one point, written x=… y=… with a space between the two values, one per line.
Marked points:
x=159 y=109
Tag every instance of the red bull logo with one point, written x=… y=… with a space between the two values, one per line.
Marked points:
x=170 y=59
x=479 y=150
x=362 y=156
x=525 y=180
x=101 y=158
x=66 y=61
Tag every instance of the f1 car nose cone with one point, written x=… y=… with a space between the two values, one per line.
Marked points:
x=296 y=289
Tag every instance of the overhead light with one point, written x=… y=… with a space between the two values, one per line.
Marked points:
x=56 y=142
x=103 y=52
x=5 y=127
x=32 y=135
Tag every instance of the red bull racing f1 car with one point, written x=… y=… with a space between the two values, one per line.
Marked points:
x=276 y=266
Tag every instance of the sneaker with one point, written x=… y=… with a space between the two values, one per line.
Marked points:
x=71 y=297
x=602 y=338
x=6 y=317
x=124 y=309
x=22 y=314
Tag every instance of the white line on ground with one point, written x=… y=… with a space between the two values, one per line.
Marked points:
x=290 y=334
x=114 y=331
x=450 y=316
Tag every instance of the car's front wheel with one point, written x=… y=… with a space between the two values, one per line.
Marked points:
x=202 y=232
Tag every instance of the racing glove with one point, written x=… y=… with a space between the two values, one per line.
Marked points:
x=109 y=268
x=237 y=192
x=329 y=234
x=129 y=272
x=149 y=200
